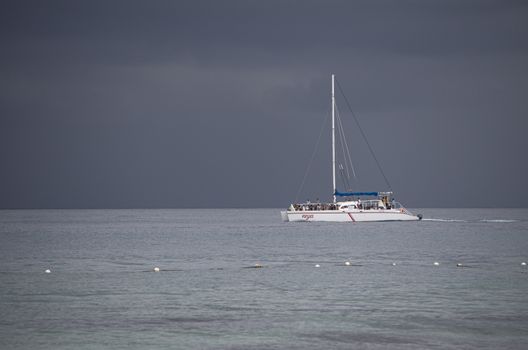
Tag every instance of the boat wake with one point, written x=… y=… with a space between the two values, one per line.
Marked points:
x=498 y=220
x=482 y=220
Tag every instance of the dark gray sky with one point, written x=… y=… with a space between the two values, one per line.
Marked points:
x=124 y=104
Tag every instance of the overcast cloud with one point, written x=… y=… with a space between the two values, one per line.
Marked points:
x=123 y=104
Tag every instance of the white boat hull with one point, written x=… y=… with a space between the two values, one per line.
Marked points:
x=349 y=216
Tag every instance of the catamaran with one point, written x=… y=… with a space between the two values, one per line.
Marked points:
x=380 y=206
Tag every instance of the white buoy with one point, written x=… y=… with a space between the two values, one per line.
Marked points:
x=436 y=263
x=347 y=263
x=47 y=271
x=156 y=269
x=459 y=265
x=393 y=264
x=523 y=264
x=317 y=265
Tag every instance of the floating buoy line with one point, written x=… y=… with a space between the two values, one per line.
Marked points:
x=258 y=266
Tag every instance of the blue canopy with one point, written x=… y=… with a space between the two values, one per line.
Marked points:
x=346 y=194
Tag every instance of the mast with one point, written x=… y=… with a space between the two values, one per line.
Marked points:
x=333 y=143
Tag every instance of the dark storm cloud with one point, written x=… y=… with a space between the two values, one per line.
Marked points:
x=209 y=103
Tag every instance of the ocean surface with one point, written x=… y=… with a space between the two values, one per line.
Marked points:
x=102 y=291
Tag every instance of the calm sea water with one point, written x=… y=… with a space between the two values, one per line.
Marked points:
x=102 y=292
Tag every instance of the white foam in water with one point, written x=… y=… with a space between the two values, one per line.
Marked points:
x=457 y=220
x=498 y=220
x=444 y=220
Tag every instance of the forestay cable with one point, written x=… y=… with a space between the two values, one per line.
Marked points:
x=313 y=156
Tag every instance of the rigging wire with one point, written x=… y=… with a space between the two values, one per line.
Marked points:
x=340 y=131
x=344 y=178
x=312 y=158
x=344 y=140
x=364 y=136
